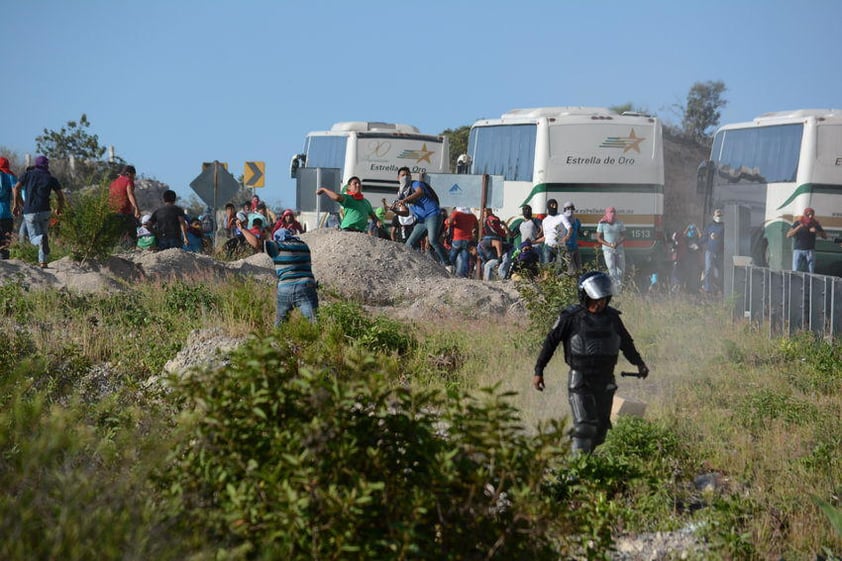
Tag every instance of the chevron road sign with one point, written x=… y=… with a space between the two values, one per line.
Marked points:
x=253 y=174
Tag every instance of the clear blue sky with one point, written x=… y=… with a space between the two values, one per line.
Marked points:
x=173 y=83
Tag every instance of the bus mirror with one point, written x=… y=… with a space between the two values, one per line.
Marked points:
x=296 y=163
x=704 y=177
x=463 y=163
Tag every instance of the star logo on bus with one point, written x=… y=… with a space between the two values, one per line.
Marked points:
x=419 y=156
x=627 y=143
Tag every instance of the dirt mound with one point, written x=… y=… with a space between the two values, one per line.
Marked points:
x=384 y=274
x=380 y=274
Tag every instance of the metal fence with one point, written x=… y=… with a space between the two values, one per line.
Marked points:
x=786 y=302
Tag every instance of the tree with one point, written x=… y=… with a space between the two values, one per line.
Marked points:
x=458 y=139
x=75 y=154
x=702 y=111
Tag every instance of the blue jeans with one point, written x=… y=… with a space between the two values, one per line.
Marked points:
x=432 y=227
x=806 y=255
x=615 y=262
x=549 y=254
x=502 y=267
x=459 y=257
x=712 y=269
x=37 y=224
x=301 y=295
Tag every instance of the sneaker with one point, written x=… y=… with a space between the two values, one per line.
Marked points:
x=449 y=268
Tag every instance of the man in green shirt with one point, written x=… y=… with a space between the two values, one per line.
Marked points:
x=357 y=209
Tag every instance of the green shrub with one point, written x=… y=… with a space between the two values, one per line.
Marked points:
x=546 y=295
x=87 y=229
x=755 y=410
x=74 y=489
x=725 y=527
x=380 y=334
x=188 y=299
x=13 y=301
x=17 y=346
x=284 y=458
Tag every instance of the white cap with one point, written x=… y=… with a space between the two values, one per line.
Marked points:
x=146 y=218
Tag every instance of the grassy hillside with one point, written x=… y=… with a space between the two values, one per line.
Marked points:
x=366 y=438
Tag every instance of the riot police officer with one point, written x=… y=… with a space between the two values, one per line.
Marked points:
x=593 y=336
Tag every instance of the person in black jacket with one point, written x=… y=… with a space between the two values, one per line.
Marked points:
x=593 y=336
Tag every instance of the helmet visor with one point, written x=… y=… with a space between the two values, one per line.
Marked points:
x=598 y=286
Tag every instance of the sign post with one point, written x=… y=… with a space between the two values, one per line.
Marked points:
x=215 y=183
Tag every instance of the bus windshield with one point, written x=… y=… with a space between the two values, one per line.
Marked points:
x=757 y=154
x=507 y=150
x=325 y=151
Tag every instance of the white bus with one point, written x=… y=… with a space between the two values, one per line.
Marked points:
x=777 y=165
x=591 y=156
x=372 y=151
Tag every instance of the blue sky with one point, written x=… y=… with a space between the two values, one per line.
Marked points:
x=174 y=83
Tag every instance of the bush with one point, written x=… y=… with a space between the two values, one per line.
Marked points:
x=74 y=481
x=546 y=296
x=282 y=459
x=13 y=301
x=188 y=298
x=380 y=334
x=87 y=229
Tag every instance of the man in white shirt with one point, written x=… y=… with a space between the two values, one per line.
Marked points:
x=610 y=233
x=554 y=231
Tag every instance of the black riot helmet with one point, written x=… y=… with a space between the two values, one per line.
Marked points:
x=595 y=285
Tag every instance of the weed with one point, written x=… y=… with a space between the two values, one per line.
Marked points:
x=757 y=409
x=189 y=299
x=379 y=334
x=13 y=303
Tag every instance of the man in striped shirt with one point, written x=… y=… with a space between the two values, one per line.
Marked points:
x=296 y=283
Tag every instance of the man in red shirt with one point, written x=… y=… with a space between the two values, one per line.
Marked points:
x=465 y=228
x=123 y=202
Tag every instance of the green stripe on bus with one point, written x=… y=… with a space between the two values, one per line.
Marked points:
x=812 y=188
x=560 y=188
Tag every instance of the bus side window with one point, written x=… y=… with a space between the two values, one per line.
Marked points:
x=704 y=176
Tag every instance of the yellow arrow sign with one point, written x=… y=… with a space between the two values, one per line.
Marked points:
x=253 y=174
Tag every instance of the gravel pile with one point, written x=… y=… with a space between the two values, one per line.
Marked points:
x=385 y=274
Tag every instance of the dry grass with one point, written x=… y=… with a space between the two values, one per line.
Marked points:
x=724 y=387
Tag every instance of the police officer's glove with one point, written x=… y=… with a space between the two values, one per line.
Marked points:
x=643 y=371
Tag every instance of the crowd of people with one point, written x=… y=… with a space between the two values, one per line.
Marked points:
x=469 y=243
x=591 y=332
